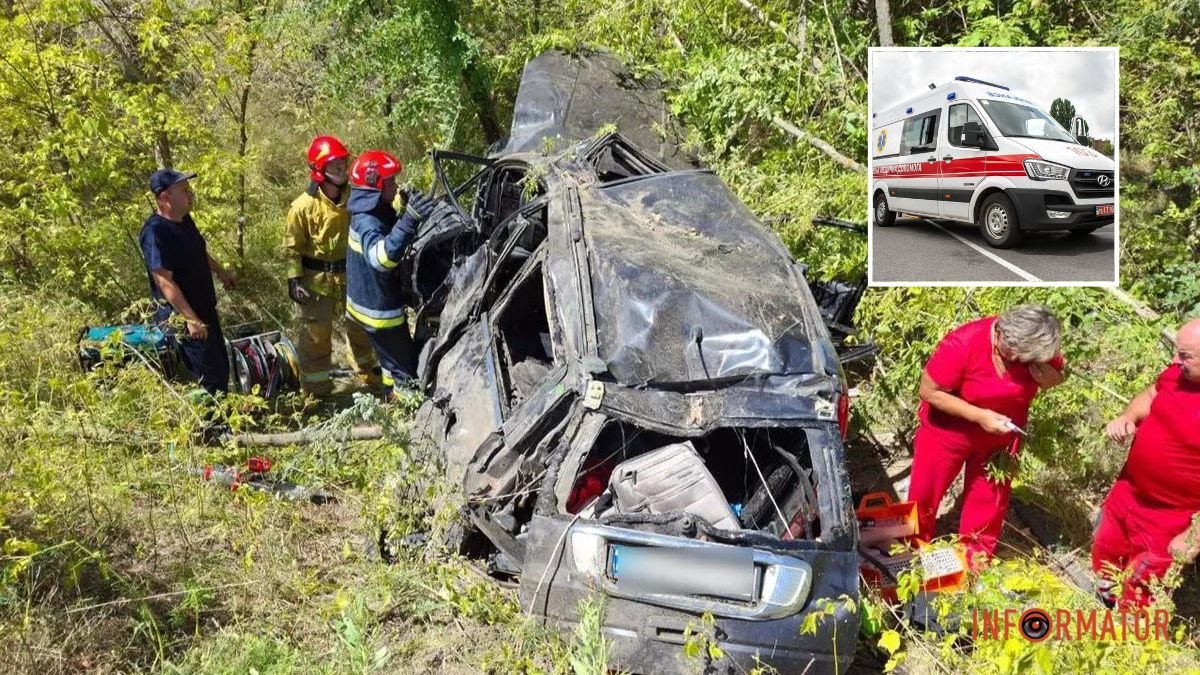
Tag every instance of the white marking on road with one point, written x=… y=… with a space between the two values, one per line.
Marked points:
x=992 y=256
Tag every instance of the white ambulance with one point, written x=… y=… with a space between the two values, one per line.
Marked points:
x=974 y=152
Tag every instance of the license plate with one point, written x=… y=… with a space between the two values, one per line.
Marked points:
x=1104 y=210
x=719 y=571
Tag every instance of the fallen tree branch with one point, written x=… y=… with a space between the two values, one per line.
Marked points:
x=1143 y=311
x=762 y=16
x=303 y=437
x=1138 y=307
x=821 y=145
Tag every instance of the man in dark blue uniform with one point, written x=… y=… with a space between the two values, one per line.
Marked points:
x=180 y=271
x=378 y=239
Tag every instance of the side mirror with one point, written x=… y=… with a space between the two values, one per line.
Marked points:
x=1079 y=128
x=973 y=135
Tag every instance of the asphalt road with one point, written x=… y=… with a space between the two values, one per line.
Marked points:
x=915 y=250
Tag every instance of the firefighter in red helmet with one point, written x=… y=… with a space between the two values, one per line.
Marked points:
x=315 y=244
x=378 y=239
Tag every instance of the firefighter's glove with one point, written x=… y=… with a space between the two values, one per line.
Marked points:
x=419 y=207
x=298 y=293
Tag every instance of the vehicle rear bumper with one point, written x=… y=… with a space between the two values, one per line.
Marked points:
x=649 y=638
x=1032 y=206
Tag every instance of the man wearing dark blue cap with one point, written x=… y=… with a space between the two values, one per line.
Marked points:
x=180 y=271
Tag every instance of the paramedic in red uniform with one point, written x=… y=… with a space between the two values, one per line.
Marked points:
x=1146 y=519
x=980 y=380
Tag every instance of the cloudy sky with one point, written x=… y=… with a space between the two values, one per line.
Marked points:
x=1087 y=78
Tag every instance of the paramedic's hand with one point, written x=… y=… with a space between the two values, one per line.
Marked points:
x=993 y=422
x=298 y=293
x=1121 y=429
x=197 y=330
x=227 y=280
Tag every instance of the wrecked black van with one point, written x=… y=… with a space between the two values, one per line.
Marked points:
x=634 y=386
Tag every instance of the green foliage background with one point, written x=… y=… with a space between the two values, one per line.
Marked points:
x=94 y=94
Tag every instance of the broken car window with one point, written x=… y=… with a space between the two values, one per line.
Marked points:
x=510 y=188
x=615 y=159
x=524 y=352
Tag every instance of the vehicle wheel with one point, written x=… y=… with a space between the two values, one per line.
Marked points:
x=883 y=217
x=1083 y=230
x=998 y=223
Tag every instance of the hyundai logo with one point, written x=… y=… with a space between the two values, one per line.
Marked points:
x=1103 y=181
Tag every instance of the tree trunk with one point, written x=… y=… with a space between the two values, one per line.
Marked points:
x=243 y=139
x=162 y=150
x=243 y=143
x=479 y=89
x=883 y=16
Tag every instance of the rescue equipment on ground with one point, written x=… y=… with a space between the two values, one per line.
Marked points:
x=888 y=547
x=135 y=342
x=267 y=361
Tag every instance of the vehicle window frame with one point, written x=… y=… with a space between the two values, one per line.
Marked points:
x=535 y=265
x=487 y=298
x=490 y=185
x=905 y=148
x=949 y=114
x=453 y=193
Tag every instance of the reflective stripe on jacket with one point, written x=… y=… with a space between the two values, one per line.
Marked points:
x=377 y=241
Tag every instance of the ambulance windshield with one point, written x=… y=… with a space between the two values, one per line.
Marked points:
x=1014 y=119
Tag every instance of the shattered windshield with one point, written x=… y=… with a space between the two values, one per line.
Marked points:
x=688 y=286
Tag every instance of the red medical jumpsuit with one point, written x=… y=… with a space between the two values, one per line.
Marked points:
x=1157 y=492
x=945 y=444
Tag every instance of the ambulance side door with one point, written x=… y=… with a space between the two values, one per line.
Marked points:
x=914 y=188
x=962 y=165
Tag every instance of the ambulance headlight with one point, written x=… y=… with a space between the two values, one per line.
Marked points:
x=1041 y=170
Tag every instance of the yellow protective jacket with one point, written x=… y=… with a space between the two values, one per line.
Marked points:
x=317 y=229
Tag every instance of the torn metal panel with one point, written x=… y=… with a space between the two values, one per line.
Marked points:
x=564 y=98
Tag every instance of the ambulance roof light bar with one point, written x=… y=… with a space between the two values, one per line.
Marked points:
x=964 y=78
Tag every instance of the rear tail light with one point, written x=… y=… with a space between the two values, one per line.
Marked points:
x=843 y=414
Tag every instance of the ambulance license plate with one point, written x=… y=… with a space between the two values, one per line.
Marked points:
x=1104 y=210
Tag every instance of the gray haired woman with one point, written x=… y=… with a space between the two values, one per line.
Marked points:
x=975 y=392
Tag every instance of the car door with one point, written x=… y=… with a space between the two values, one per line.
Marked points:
x=528 y=378
x=914 y=189
x=962 y=165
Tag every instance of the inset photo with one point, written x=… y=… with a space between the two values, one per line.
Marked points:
x=993 y=166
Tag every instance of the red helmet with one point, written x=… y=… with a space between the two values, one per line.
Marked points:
x=321 y=151
x=372 y=168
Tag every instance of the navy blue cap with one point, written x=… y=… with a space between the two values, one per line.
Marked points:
x=164 y=178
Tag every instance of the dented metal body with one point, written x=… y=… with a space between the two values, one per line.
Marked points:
x=601 y=305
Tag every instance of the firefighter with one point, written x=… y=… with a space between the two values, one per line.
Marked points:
x=180 y=272
x=1148 y=519
x=315 y=244
x=378 y=238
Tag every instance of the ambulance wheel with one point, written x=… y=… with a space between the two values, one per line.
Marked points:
x=883 y=217
x=1083 y=230
x=998 y=224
